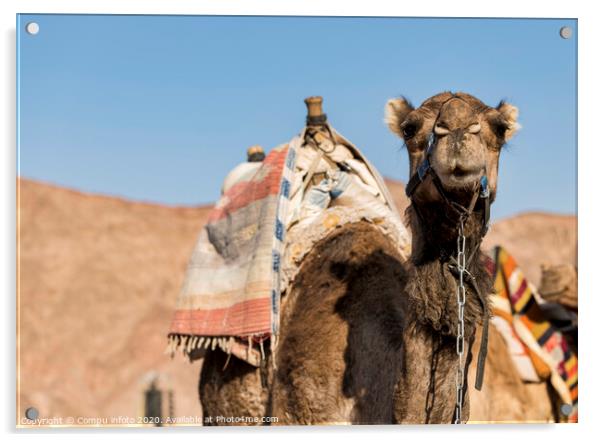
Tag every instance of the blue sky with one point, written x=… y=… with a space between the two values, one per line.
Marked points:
x=160 y=108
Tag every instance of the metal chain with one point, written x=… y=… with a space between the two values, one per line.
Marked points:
x=461 y=299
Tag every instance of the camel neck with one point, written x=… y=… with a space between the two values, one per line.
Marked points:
x=435 y=233
x=431 y=281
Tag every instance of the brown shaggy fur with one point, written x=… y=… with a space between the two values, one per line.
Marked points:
x=229 y=387
x=429 y=380
x=346 y=313
x=342 y=322
x=355 y=346
x=431 y=284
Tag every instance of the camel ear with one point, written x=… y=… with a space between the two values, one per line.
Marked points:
x=510 y=115
x=396 y=111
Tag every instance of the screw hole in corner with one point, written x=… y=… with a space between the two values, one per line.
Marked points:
x=32 y=28
x=566 y=409
x=32 y=413
x=566 y=32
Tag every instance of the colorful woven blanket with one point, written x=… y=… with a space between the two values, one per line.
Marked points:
x=539 y=350
x=231 y=284
x=242 y=261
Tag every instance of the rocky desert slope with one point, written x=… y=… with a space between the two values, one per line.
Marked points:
x=97 y=281
x=535 y=238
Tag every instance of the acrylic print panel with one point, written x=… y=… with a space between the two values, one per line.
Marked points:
x=297 y=220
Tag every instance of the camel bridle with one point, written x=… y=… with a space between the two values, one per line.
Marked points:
x=460 y=263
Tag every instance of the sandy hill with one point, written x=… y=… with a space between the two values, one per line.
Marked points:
x=397 y=189
x=534 y=238
x=98 y=277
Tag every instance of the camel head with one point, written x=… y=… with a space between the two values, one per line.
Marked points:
x=466 y=138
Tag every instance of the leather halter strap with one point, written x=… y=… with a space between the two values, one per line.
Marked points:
x=426 y=169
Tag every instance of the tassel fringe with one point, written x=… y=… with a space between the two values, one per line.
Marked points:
x=190 y=343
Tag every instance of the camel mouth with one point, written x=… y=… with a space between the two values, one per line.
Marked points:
x=461 y=177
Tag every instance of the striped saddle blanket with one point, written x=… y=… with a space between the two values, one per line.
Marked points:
x=540 y=351
x=257 y=234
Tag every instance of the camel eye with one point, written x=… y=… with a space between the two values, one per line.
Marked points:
x=409 y=130
x=441 y=130
x=474 y=128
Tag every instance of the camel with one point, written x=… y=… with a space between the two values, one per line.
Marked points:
x=505 y=397
x=367 y=337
